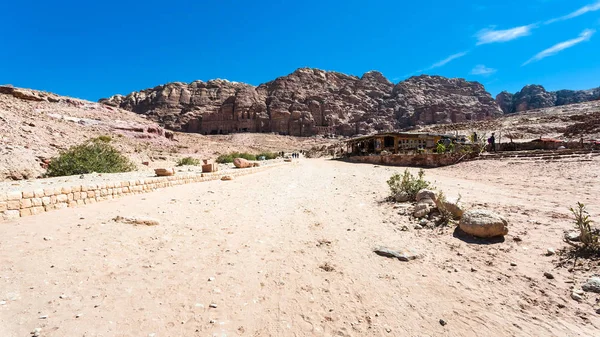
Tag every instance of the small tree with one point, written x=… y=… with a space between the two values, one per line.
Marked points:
x=96 y=155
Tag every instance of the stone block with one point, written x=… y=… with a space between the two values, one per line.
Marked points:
x=70 y=197
x=25 y=212
x=76 y=196
x=38 y=193
x=28 y=195
x=91 y=194
x=37 y=210
x=12 y=214
x=13 y=205
x=76 y=188
x=46 y=201
x=61 y=205
x=25 y=203
x=14 y=195
x=66 y=190
x=52 y=199
x=36 y=202
x=48 y=192
x=3 y=206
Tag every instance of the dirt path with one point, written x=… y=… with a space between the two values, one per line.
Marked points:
x=290 y=251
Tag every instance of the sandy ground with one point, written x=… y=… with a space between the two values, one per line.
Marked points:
x=288 y=252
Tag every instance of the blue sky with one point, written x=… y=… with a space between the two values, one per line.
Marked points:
x=90 y=49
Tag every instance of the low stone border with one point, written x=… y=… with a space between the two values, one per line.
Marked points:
x=15 y=204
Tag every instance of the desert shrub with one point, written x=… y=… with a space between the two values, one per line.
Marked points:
x=440 y=148
x=93 y=156
x=105 y=139
x=588 y=237
x=407 y=184
x=188 y=161
x=228 y=158
x=268 y=155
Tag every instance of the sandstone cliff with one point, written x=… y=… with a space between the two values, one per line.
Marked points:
x=536 y=97
x=311 y=101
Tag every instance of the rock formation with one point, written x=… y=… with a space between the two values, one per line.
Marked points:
x=311 y=101
x=536 y=97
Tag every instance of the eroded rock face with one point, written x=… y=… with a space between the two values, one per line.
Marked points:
x=311 y=101
x=536 y=97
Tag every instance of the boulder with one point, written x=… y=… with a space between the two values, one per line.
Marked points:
x=161 y=172
x=592 y=285
x=426 y=194
x=226 y=178
x=242 y=163
x=453 y=206
x=483 y=223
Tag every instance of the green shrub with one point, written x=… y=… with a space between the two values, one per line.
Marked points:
x=188 y=161
x=93 y=156
x=440 y=148
x=588 y=237
x=228 y=158
x=407 y=184
x=267 y=155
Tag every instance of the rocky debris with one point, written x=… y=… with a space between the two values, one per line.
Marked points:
x=550 y=251
x=242 y=163
x=402 y=197
x=137 y=220
x=426 y=194
x=548 y=275
x=29 y=95
x=483 y=223
x=573 y=236
x=423 y=208
x=403 y=255
x=577 y=296
x=442 y=322
x=36 y=332
x=309 y=102
x=592 y=285
x=161 y=172
x=536 y=97
x=226 y=178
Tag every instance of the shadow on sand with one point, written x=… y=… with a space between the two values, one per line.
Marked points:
x=459 y=234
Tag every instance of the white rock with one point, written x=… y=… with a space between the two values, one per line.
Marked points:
x=550 y=251
x=426 y=194
x=483 y=223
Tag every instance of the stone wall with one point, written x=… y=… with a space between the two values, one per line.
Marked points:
x=15 y=204
x=413 y=160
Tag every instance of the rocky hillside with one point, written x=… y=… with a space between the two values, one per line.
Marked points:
x=536 y=97
x=311 y=101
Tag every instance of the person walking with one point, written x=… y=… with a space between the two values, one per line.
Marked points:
x=492 y=142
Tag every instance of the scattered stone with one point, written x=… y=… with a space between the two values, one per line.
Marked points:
x=160 y=172
x=426 y=194
x=483 y=223
x=242 y=163
x=36 y=332
x=227 y=178
x=43 y=317
x=473 y=269
x=423 y=222
x=47 y=238
x=592 y=285
x=442 y=322
x=517 y=239
x=598 y=311
x=404 y=228
x=548 y=275
x=400 y=255
x=137 y=220
x=62 y=297
x=210 y=279
x=213 y=305
x=453 y=206
x=550 y=251
x=417 y=226
x=512 y=264
x=212 y=321
x=388 y=330
x=151 y=334
x=78 y=315
x=576 y=297
x=573 y=236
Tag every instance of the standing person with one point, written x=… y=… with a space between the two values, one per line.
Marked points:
x=492 y=142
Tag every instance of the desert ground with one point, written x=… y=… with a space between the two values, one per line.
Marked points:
x=289 y=252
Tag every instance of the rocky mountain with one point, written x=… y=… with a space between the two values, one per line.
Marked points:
x=311 y=101
x=536 y=97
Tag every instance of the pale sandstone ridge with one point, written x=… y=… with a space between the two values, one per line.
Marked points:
x=311 y=101
x=536 y=97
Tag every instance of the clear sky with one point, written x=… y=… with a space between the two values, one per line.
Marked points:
x=94 y=49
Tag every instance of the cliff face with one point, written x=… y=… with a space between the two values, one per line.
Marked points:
x=536 y=97
x=311 y=101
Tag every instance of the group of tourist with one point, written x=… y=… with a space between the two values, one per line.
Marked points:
x=295 y=155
